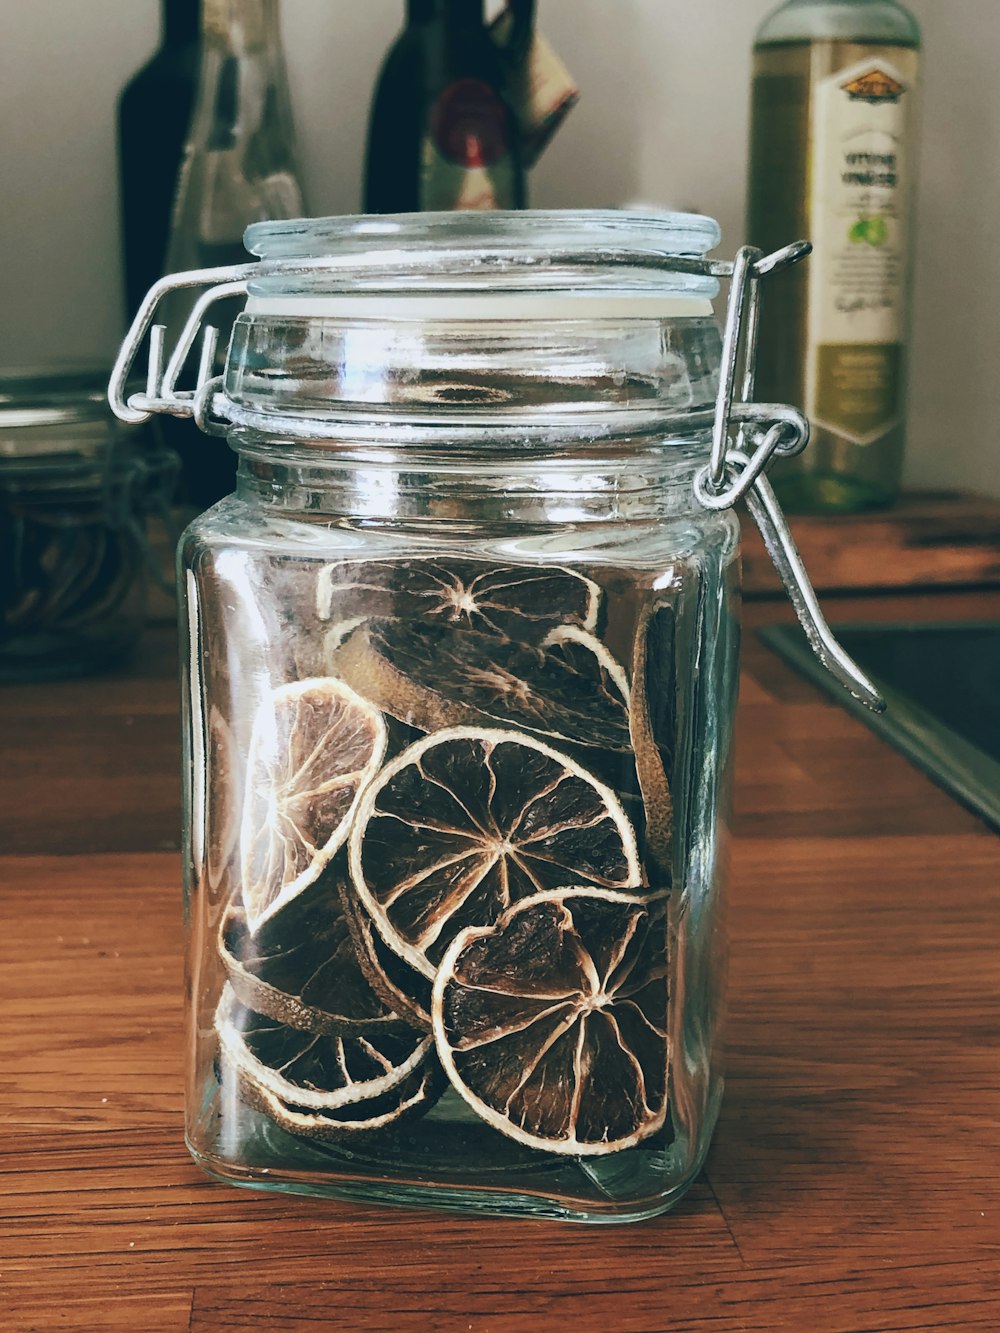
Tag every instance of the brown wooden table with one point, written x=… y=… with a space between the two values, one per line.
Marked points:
x=854 y=1184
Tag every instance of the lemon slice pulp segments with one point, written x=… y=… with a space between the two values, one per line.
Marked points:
x=520 y=602
x=552 y=1024
x=568 y=690
x=324 y=1086
x=302 y=967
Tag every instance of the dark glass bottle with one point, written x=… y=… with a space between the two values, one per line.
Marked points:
x=443 y=133
x=154 y=114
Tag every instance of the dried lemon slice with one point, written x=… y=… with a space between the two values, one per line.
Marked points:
x=302 y=968
x=466 y=822
x=552 y=1023
x=569 y=689
x=324 y=1086
x=521 y=602
x=315 y=744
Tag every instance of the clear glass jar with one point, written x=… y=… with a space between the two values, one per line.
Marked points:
x=73 y=503
x=460 y=676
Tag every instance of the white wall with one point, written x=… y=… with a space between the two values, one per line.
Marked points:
x=662 y=118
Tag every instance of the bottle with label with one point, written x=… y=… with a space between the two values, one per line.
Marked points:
x=833 y=157
x=239 y=167
x=154 y=114
x=443 y=132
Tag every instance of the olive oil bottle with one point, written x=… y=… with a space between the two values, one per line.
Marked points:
x=833 y=158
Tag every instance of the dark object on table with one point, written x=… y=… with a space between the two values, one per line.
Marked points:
x=940 y=684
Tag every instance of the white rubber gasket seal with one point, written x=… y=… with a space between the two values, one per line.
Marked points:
x=477 y=306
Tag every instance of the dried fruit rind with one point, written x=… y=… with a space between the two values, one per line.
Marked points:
x=315 y=1071
x=302 y=968
x=391 y=1109
x=469 y=820
x=651 y=768
x=552 y=1023
x=399 y=986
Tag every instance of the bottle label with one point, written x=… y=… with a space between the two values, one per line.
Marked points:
x=861 y=187
x=466 y=158
x=543 y=90
x=238 y=24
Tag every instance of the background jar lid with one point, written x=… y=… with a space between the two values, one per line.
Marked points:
x=54 y=415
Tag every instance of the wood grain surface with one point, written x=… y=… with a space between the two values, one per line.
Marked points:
x=927 y=540
x=854 y=1183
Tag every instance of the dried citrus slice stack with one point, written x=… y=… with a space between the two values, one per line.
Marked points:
x=471 y=761
x=469 y=820
x=520 y=602
x=552 y=1023
x=302 y=967
x=315 y=744
x=320 y=1085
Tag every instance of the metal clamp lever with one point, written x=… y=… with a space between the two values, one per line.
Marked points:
x=767 y=514
x=733 y=474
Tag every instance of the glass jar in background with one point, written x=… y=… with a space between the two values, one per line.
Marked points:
x=74 y=496
x=461 y=668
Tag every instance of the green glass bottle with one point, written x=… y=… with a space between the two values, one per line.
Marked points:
x=833 y=158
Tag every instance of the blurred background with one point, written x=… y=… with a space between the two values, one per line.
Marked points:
x=662 y=119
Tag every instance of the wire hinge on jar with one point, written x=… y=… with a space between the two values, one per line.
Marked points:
x=161 y=394
x=732 y=473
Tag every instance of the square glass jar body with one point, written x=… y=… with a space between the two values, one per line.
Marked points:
x=669 y=597
x=460 y=677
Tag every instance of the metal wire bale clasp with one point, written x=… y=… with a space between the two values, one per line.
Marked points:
x=733 y=473
x=780 y=429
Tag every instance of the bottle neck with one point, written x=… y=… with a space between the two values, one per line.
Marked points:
x=181 y=22
x=453 y=13
x=240 y=26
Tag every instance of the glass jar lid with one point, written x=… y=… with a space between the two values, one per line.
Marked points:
x=595 y=263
